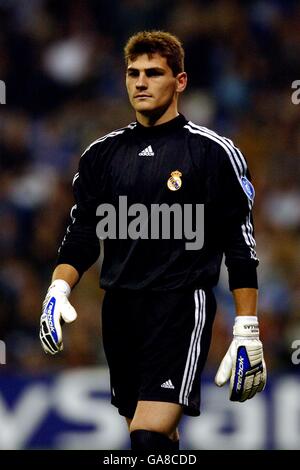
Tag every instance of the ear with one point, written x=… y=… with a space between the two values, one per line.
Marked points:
x=181 y=82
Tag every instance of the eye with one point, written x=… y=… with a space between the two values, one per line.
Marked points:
x=154 y=73
x=132 y=73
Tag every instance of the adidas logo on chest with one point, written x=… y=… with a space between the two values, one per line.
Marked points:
x=147 y=152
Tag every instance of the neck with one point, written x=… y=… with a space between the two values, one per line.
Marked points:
x=160 y=117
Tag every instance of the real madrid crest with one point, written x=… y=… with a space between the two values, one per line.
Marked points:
x=174 y=182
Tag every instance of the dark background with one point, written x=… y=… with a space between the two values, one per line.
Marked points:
x=63 y=68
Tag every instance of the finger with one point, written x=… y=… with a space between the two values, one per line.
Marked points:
x=254 y=388
x=264 y=374
x=262 y=384
x=252 y=392
x=68 y=312
x=46 y=345
x=46 y=338
x=224 y=372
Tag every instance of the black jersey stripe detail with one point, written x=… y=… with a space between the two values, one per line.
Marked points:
x=110 y=134
x=239 y=165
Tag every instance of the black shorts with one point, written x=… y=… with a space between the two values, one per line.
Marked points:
x=156 y=344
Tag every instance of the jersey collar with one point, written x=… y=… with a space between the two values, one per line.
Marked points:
x=172 y=125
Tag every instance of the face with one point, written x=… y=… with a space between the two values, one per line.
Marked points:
x=151 y=85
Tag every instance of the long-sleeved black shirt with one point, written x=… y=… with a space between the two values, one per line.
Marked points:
x=137 y=162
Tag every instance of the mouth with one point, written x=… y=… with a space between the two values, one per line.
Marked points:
x=141 y=96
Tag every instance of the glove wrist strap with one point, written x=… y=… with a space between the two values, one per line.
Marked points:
x=61 y=286
x=246 y=326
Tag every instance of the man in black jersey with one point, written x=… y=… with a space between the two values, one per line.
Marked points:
x=138 y=189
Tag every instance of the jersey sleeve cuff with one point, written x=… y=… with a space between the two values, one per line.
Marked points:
x=242 y=274
x=80 y=260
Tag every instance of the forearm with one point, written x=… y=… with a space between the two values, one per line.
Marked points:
x=245 y=300
x=67 y=273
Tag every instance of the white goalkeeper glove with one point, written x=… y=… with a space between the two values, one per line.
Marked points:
x=244 y=362
x=56 y=310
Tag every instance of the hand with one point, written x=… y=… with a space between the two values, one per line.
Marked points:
x=244 y=362
x=56 y=310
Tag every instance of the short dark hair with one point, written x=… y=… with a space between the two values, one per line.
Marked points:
x=161 y=42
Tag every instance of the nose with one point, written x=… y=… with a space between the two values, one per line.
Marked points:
x=141 y=82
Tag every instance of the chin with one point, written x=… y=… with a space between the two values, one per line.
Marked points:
x=143 y=105
x=148 y=112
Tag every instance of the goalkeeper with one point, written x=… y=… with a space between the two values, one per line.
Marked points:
x=159 y=306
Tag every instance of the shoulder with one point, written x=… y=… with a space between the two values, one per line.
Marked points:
x=219 y=146
x=112 y=136
x=224 y=157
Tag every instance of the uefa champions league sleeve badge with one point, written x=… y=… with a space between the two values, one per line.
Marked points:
x=248 y=188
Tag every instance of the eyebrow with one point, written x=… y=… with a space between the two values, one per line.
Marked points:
x=154 y=69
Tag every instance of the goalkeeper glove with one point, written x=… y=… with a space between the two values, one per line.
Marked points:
x=56 y=310
x=244 y=362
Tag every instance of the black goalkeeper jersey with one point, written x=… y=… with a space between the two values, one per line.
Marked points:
x=177 y=162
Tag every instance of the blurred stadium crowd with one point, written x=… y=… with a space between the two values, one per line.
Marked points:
x=63 y=68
